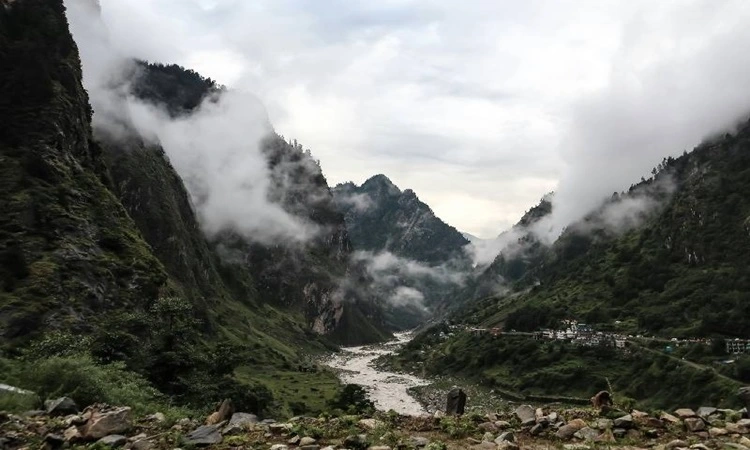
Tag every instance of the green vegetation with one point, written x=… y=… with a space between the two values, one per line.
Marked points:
x=525 y=367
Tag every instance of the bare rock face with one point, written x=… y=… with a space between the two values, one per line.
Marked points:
x=105 y=422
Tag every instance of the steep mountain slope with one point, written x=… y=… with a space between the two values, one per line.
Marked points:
x=380 y=217
x=677 y=269
x=415 y=259
x=101 y=252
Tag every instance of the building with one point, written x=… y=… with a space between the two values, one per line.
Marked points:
x=735 y=346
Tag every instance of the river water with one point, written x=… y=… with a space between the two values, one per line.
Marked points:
x=388 y=390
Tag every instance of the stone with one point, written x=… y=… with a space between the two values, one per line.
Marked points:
x=651 y=433
x=744 y=423
x=485 y=446
x=695 y=424
x=62 y=406
x=204 y=435
x=576 y=447
x=369 y=424
x=278 y=428
x=526 y=415
x=72 y=434
x=488 y=426
x=294 y=440
x=223 y=413
x=733 y=446
x=141 y=444
x=587 y=434
x=716 y=431
x=733 y=428
x=745 y=441
x=53 y=441
x=455 y=402
x=625 y=421
x=568 y=430
x=677 y=443
x=684 y=413
x=317 y=447
x=419 y=441
x=699 y=446
x=705 y=411
x=488 y=437
x=240 y=422
x=552 y=417
x=103 y=423
x=744 y=394
x=113 y=440
x=438 y=414
x=633 y=434
x=279 y=447
x=537 y=429
x=355 y=441
x=502 y=425
x=619 y=433
x=604 y=424
x=505 y=437
x=606 y=436
x=666 y=417
x=505 y=445
x=307 y=441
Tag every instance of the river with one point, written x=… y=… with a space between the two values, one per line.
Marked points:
x=388 y=390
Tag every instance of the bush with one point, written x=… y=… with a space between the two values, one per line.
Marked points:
x=352 y=399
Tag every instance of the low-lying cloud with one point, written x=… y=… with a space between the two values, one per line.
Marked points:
x=216 y=150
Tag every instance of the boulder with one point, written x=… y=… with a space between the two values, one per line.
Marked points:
x=505 y=437
x=419 y=441
x=606 y=437
x=716 y=432
x=240 y=422
x=294 y=440
x=502 y=425
x=604 y=424
x=455 y=402
x=355 y=441
x=369 y=424
x=62 y=406
x=307 y=441
x=587 y=434
x=695 y=424
x=705 y=411
x=72 y=434
x=102 y=423
x=568 y=430
x=677 y=443
x=669 y=418
x=625 y=421
x=53 y=441
x=526 y=414
x=113 y=440
x=537 y=429
x=204 y=435
x=141 y=444
x=488 y=426
x=317 y=447
x=279 y=447
x=685 y=413
x=485 y=446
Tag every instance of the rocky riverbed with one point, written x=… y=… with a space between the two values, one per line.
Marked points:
x=388 y=390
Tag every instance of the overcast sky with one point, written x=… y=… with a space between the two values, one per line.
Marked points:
x=479 y=106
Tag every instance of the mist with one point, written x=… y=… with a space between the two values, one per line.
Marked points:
x=670 y=87
x=216 y=150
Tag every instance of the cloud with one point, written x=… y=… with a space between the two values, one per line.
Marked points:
x=360 y=202
x=216 y=150
x=501 y=101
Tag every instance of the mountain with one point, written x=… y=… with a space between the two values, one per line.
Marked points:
x=414 y=258
x=103 y=255
x=381 y=217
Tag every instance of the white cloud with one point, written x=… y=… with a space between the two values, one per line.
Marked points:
x=481 y=107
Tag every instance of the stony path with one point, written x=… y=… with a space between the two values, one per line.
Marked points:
x=388 y=390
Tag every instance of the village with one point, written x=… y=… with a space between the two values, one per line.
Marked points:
x=583 y=334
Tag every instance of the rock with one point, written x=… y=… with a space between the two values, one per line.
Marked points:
x=684 y=413
x=633 y=434
x=488 y=437
x=438 y=414
x=526 y=415
x=141 y=444
x=505 y=445
x=733 y=428
x=666 y=417
x=619 y=433
x=53 y=441
x=505 y=437
x=502 y=425
x=204 y=435
x=606 y=436
x=744 y=423
x=62 y=406
x=223 y=413
x=601 y=400
x=240 y=422
x=113 y=440
x=624 y=421
x=103 y=423
x=604 y=424
x=552 y=417
x=455 y=402
x=317 y=447
x=733 y=446
x=705 y=411
x=279 y=447
x=699 y=446
x=369 y=424
x=587 y=434
x=488 y=426
x=419 y=441
x=72 y=434
x=294 y=440
x=537 y=429
x=745 y=441
x=676 y=444
x=567 y=431
x=539 y=413
x=695 y=424
x=307 y=441
x=715 y=431
x=377 y=447
x=651 y=433
x=278 y=428
x=576 y=447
